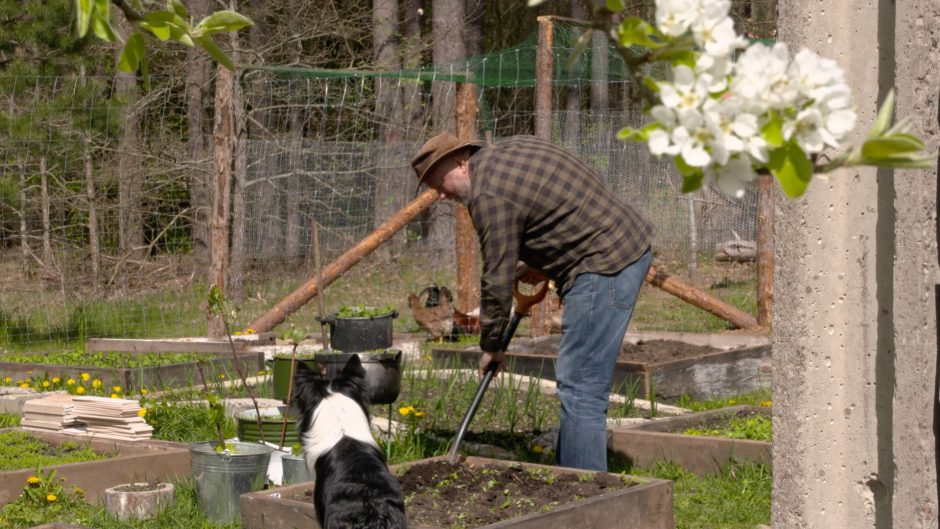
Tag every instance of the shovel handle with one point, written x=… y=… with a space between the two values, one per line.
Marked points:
x=525 y=302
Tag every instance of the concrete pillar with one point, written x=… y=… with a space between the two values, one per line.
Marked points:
x=854 y=324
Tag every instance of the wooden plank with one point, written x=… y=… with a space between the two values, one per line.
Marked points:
x=161 y=346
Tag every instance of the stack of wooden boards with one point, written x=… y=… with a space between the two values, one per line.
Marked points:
x=117 y=419
x=50 y=414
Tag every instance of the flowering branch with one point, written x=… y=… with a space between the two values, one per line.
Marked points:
x=733 y=109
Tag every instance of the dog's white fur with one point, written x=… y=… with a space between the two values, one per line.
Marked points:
x=335 y=417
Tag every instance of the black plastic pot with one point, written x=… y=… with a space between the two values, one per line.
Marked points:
x=383 y=372
x=353 y=335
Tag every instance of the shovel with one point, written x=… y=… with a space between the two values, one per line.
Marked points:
x=523 y=304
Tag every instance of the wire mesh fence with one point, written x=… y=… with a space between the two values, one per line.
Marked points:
x=104 y=193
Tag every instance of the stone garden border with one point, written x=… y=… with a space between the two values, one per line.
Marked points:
x=138 y=461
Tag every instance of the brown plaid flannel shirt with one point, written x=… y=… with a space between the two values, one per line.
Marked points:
x=534 y=202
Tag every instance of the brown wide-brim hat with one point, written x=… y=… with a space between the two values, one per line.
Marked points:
x=435 y=151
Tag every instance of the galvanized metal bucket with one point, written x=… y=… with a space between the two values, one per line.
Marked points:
x=294 y=469
x=222 y=477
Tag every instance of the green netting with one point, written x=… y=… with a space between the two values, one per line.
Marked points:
x=510 y=67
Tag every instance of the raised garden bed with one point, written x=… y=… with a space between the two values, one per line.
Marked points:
x=491 y=493
x=666 y=440
x=132 y=370
x=127 y=462
x=671 y=364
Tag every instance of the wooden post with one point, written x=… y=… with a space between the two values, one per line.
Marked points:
x=765 y=248
x=468 y=246
x=700 y=299
x=539 y=324
x=337 y=268
x=222 y=171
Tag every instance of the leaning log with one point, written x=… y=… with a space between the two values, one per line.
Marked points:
x=296 y=299
x=700 y=299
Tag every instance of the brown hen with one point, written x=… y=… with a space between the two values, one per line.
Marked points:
x=437 y=320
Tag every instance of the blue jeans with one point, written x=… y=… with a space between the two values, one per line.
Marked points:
x=597 y=311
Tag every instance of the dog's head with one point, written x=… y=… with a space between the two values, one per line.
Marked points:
x=311 y=387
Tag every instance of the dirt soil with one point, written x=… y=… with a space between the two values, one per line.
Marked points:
x=439 y=494
x=645 y=351
x=443 y=495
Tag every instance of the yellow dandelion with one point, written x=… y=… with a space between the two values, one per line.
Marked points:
x=24 y=385
x=732 y=401
x=537 y=449
x=143 y=391
x=116 y=389
x=261 y=372
x=114 y=395
x=85 y=377
x=420 y=414
x=80 y=390
x=56 y=380
x=80 y=491
x=45 y=383
x=96 y=383
x=238 y=333
x=70 y=382
x=32 y=480
x=766 y=403
x=8 y=380
x=221 y=376
x=141 y=412
x=51 y=498
x=249 y=330
x=405 y=410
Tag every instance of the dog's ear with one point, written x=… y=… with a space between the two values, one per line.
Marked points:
x=309 y=385
x=353 y=368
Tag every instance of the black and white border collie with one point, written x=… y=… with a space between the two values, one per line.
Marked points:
x=353 y=487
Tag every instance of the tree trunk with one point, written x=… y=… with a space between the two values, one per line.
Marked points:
x=221 y=192
x=237 y=268
x=46 y=208
x=447 y=27
x=474 y=36
x=130 y=185
x=391 y=184
x=573 y=93
x=411 y=47
x=24 y=240
x=197 y=82
x=296 y=223
x=94 y=250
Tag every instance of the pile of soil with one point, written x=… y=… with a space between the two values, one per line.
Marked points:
x=444 y=495
x=645 y=351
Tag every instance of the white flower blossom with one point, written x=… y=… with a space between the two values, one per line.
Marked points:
x=733 y=177
x=673 y=17
x=761 y=77
x=686 y=91
x=716 y=68
x=734 y=129
x=714 y=30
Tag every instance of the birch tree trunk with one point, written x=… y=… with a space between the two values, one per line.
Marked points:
x=221 y=192
x=24 y=241
x=237 y=270
x=46 y=208
x=130 y=184
x=91 y=198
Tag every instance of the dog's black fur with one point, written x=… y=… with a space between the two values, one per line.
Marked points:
x=353 y=488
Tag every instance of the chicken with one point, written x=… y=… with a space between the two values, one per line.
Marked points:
x=467 y=323
x=437 y=320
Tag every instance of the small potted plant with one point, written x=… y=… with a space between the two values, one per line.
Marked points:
x=361 y=328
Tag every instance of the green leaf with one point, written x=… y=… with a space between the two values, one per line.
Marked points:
x=83 y=12
x=583 y=41
x=216 y=52
x=630 y=134
x=651 y=84
x=885 y=113
x=685 y=169
x=677 y=57
x=791 y=168
x=891 y=146
x=772 y=131
x=905 y=161
x=615 y=6
x=132 y=53
x=177 y=7
x=692 y=182
x=634 y=31
x=221 y=22
x=101 y=21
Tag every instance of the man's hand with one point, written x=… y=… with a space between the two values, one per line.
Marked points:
x=486 y=358
x=530 y=276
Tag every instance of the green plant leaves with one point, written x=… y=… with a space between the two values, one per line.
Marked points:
x=215 y=51
x=634 y=31
x=221 y=22
x=132 y=54
x=791 y=168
